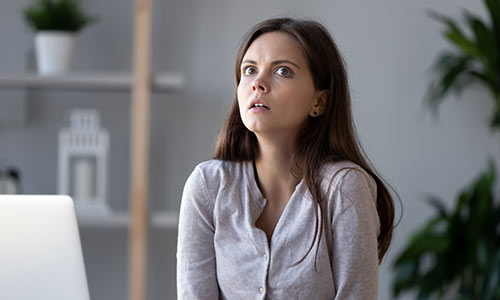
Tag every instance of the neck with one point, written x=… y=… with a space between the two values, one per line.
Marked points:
x=273 y=164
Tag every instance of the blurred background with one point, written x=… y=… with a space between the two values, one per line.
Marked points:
x=388 y=46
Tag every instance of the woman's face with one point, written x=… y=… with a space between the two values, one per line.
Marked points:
x=276 y=91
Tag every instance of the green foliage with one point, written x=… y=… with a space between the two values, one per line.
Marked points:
x=456 y=254
x=64 y=15
x=476 y=58
x=458 y=249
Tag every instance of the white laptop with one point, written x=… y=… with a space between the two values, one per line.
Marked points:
x=40 y=250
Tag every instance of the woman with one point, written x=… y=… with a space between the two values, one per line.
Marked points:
x=288 y=208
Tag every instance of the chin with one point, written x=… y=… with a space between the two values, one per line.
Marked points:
x=251 y=129
x=251 y=126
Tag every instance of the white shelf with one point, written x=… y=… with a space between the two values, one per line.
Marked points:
x=162 y=219
x=103 y=81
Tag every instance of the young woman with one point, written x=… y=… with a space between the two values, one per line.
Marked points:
x=289 y=208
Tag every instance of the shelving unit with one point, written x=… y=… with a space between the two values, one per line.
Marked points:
x=92 y=81
x=160 y=220
x=101 y=81
x=140 y=83
x=116 y=82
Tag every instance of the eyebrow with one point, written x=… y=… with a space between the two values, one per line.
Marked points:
x=276 y=62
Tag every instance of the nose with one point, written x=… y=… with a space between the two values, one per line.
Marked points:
x=259 y=84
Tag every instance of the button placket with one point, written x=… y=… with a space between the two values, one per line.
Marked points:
x=265 y=256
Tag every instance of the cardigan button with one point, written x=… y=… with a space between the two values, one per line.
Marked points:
x=261 y=290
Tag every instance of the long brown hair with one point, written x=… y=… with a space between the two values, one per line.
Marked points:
x=330 y=137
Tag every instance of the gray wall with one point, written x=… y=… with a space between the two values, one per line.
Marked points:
x=388 y=46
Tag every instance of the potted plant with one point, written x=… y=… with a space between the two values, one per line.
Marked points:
x=456 y=254
x=56 y=23
x=475 y=59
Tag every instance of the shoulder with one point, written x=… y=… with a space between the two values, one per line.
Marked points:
x=344 y=171
x=214 y=174
x=346 y=183
x=217 y=170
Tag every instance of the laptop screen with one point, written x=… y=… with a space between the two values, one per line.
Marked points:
x=40 y=249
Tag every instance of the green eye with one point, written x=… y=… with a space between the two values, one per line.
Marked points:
x=284 y=71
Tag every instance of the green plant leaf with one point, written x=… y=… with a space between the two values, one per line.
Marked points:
x=435 y=279
x=486 y=45
x=437 y=204
x=491 y=286
x=477 y=59
x=405 y=277
x=495 y=119
x=464 y=247
x=65 y=15
x=424 y=244
x=435 y=226
x=423 y=294
x=481 y=77
x=449 y=68
x=493 y=7
x=454 y=34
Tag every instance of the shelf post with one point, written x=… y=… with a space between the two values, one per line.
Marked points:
x=139 y=156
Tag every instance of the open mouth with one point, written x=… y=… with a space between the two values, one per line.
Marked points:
x=259 y=105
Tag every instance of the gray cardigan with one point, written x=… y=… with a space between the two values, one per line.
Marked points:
x=221 y=254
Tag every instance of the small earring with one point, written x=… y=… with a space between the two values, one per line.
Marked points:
x=315 y=113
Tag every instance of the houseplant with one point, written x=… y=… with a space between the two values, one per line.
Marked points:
x=456 y=254
x=56 y=23
x=475 y=59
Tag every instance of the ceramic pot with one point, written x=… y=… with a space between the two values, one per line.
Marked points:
x=54 y=51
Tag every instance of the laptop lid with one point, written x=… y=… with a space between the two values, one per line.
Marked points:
x=40 y=250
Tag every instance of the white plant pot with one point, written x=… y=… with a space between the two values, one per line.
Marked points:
x=54 y=51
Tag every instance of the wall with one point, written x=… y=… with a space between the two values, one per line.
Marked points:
x=388 y=46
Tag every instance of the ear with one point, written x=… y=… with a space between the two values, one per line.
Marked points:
x=319 y=104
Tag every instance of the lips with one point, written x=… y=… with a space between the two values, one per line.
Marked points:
x=258 y=103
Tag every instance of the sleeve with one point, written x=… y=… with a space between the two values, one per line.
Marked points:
x=355 y=228
x=196 y=270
